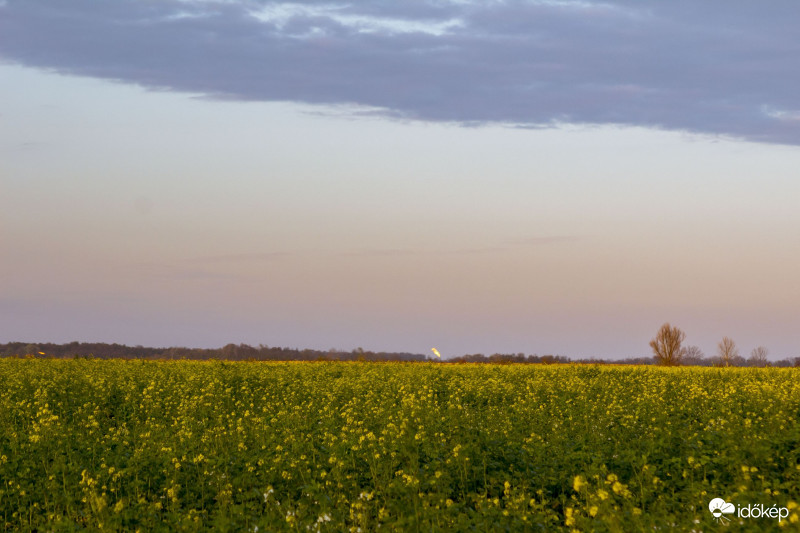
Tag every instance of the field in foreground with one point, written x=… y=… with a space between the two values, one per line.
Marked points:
x=127 y=445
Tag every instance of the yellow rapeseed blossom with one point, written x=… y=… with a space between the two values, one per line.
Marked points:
x=292 y=442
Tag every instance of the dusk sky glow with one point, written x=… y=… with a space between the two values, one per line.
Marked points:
x=549 y=177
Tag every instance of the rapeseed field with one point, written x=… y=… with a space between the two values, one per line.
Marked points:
x=201 y=446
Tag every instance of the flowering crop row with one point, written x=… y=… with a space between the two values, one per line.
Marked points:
x=192 y=446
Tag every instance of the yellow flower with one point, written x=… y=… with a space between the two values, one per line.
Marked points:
x=578 y=483
x=570 y=520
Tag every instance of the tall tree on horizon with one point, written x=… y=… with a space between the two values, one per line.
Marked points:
x=758 y=357
x=727 y=351
x=667 y=345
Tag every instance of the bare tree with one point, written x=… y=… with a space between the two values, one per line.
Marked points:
x=758 y=357
x=667 y=345
x=727 y=351
x=693 y=355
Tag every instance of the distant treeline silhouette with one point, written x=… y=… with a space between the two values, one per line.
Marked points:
x=229 y=352
x=245 y=352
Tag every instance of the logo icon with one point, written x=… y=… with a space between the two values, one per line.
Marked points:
x=719 y=508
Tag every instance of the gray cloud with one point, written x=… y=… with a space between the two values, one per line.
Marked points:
x=715 y=67
x=544 y=241
x=167 y=272
x=252 y=257
x=386 y=252
x=420 y=252
x=528 y=242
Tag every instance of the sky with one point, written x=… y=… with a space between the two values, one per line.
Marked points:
x=549 y=177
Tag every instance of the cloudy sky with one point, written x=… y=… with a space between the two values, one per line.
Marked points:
x=501 y=176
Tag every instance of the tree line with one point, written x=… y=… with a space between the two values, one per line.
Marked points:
x=667 y=350
x=229 y=352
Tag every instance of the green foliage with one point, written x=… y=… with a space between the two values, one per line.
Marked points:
x=201 y=446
